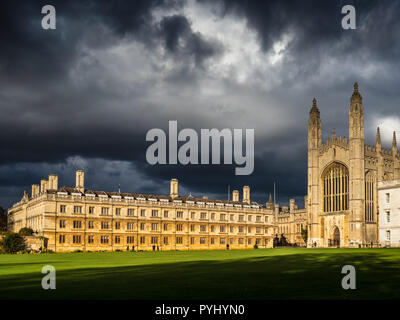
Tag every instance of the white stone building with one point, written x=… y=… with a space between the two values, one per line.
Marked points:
x=389 y=213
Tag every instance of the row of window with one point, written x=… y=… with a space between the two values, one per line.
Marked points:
x=77 y=239
x=77 y=224
x=155 y=213
x=283 y=229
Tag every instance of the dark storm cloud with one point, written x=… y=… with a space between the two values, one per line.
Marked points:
x=67 y=92
x=176 y=30
x=318 y=23
x=47 y=106
x=318 y=36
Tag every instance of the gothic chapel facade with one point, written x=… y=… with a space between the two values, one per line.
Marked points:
x=342 y=177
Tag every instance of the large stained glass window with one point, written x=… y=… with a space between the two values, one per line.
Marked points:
x=335 y=185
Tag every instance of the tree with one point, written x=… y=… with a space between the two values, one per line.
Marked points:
x=304 y=234
x=3 y=219
x=12 y=243
x=26 y=232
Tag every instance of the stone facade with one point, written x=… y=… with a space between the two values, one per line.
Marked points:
x=289 y=222
x=80 y=219
x=343 y=176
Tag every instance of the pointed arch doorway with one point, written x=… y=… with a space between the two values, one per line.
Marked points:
x=334 y=241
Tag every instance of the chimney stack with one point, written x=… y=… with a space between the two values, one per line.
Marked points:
x=43 y=185
x=246 y=194
x=235 y=195
x=291 y=205
x=53 y=182
x=35 y=190
x=173 y=188
x=80 y=180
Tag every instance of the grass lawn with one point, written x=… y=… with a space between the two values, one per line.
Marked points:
x=236 y=274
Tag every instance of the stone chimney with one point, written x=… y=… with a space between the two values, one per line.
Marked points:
x=235 y=195
x=35 y=190
x=276 y=211
x=173 y=188
x=292 y=205
x=43 y=185
x=80 y=180
x=246 y=194
x=53 y=182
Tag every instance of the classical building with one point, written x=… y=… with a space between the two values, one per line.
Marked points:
x=389 y=213
x=81 y=219
x=343 y=176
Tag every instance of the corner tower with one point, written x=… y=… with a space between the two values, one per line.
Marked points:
x=314 y=142
x=357 y=168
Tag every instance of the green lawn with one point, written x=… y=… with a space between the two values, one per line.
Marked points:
x=236 y=274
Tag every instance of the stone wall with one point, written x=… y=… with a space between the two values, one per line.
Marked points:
x=35 y=243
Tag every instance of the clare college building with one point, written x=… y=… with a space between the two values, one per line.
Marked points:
x=341 y=206
x=80 y=219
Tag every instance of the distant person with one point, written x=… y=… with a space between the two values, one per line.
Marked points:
x=127 y=248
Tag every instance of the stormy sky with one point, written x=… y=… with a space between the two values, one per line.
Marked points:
x=84 y=96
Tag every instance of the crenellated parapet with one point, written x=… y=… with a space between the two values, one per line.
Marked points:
x=387 y=153
x=338 y=141
x=369 y=149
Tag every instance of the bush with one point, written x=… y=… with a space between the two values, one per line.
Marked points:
x=26 y=232
x=45 y=250
x=256 y=246
x=12 y=243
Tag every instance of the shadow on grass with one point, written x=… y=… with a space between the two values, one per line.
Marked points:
x=293 y=276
